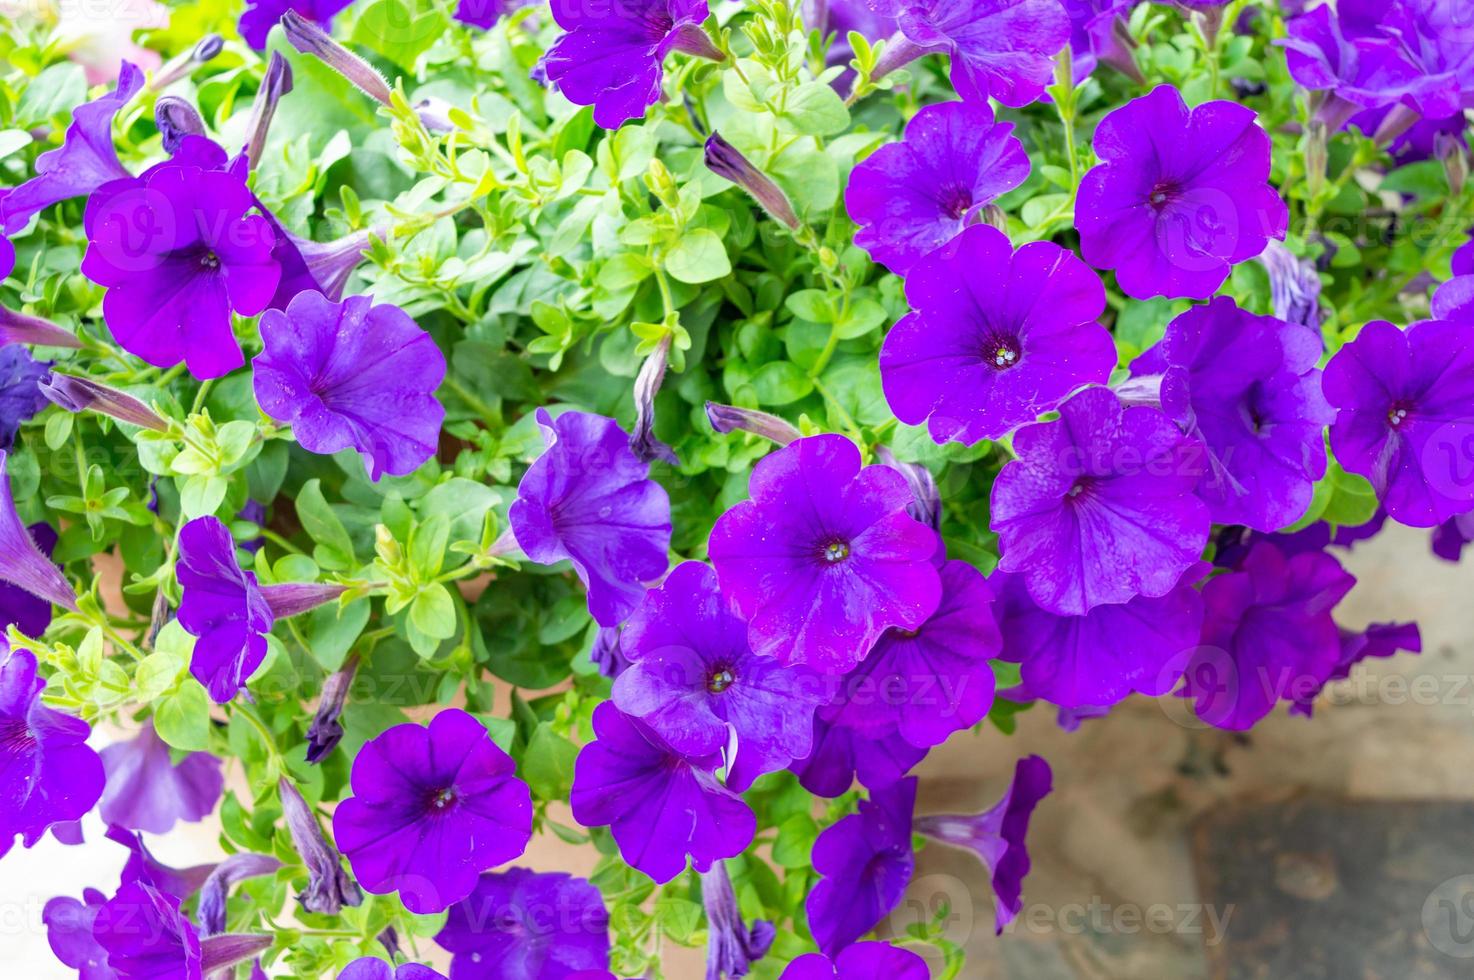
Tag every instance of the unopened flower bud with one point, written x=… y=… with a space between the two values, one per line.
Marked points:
x=308 y=38
x=723 y=160
x=175 y=119
x=726 y=418
x=76 y=394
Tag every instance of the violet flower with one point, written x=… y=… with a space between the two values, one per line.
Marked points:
x=1098 y=507
x=912 y=197
x=864 y=862
x=979 y=358
x=1454 y=300
x=525 y=925
x=69 y=925
x=1179 y=197
x=659 y=805
x=612 y=56
x=148 y=937
x=146 y=790
x=175 y=118
x=1249 y=389
x=352 y=374
x=1450 y=537
x=1403 y=416
x=431 y=809
x=926 y=498
x=836 y=19
x=1294 y=285
x=20 y=391
x=373 y=968
x=723 y=159
x=589 y=499
x=1353 y=70
x=142 y=866
x=824 y=558
x=607 y=652
x=223 y=607
x=881 y=961
x=842 y=754
x=643 y=442
x=1099 y=35
x=329 y=887
x=695 y=682
x=1267 y=636
x=28 y=613
x=215 y=893
x=276 y=83
x=998 y=835
x=47 y=773
x=485 y=13
x=1096 y=660
x=1377 y=640
x=1001 y=49
x=22 y=563
x=731 y=947
x=260 y=16
x=78 y=394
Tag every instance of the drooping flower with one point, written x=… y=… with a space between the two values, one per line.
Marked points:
x=260 y=16
x=589 y=500
x=524 y=925
x=1432 y=37
x=1267 y=636
x=731 y=947
x=179 y=253
x=148 y=937
x=998 y=835
x=912 y=197
x=223 y=607
x=612 y=55
x=47 y=773
x=215 y=892
x=431 y=809
x=326 y=731
x=977 y=359
x=1098 y=507
x=352 y=374
x=1403 y=416
x=1001 y=49
x=69 y=932
x=864 y=862
x=19 y=608
x=824 y=558
x=373 y=968
x=659 y=805
x=1098 y=34
x=1377 y=640
x=1179 y=197
x=143 y=866
x=22 y=562
x=724 y=160
x=147 y=791
x=1294 y=285
x=842 y=754
x=1248 y=388
x=329 y=887
x=927 y=683
x=862 y=961
x=84 y=162
x=20 y=391
x=695 y=682
x=1097 y=659
x=643 y=441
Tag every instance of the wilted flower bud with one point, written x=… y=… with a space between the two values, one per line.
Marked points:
x=1294 y=285
x=1454 y=152
x=295 y=598
x=731 y=947
x=216 y=890
x=926 y=499
x=329 y=887
x=326 y=731
x=83 y=394
x=175 y=119
x=647 y=386
x=278 y=82
x=726 y=418
x=723 y=160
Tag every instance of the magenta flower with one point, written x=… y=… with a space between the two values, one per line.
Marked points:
x=1248 y=387
x=842 y=754
x=862 y=961
x=48 y=774
x=1098 y=507
x=1001 y=49
x=864 y=862
x=260 y=16
x=980 y=357
x=1268 y=635
x=694 y=680
x=352 y=374
x=589 y=499
x=659 y=805
x=613 y=54
x=431 y=809
x=1404 y=418
x=223 y=607
x=824 y=558
x=1097 y=659
x=523 y=925
x=178 y=254
x=912 y=197
x=1450 y=537
x=1179 y=197
x=147 y=791
x=998 y=835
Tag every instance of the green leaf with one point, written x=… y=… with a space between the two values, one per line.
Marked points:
x=698 y=257
x=547 y=763
x=333 y=547
x=794 y=847
x=330 y=631
x=433 y=613
x=780 y=383
x=815 y=109
x=398 y=30
x=182 y=718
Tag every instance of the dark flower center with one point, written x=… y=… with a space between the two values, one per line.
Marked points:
x=720 y=681
x=1001 y=351
x=1397 y=414
x=443 y=799
x=209 y=260
x=1161 y=195
x=836 y=551
x=1080 y=488
x=956 y=201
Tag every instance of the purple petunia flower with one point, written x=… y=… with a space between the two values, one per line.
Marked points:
x=47 y=773
x=612 y=55
x=1454 y=300
x=25 y=566
x=1097 y=659
x=589 y=499
x=842 y=754
x=147 y=791
x=260 y=16
x=7 y=251
x=147 y=936
x=373 y=968
x=1354 y=71
x=20 y=390
x=695 y=682
x=1179 y=197
x=1098 y=507
x=1001 y=49
x=352 y=374
x=1098 y=34
x=1377 y=640
x=976 y=361
x=1268 y=635
x=659 y=805
x=69 y=925
x=824 y=558
x=142 y=866
x=524 y=925
x=1450 y=537
x=1294 y=285
x=731 y=946
x=912 y=197
x=1248 y=387
x=927 y=683
x=222 y=606
x=998 y=835
x=1404 y=418
x=862 y=961
x=864 y=862
x=431 y=809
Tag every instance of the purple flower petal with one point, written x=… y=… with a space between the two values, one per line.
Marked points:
x=523 y=925
x=222 y=607
x=864 y=862
x=843 y=754
x=862 y=961
x=260 y=16
x=147 y=791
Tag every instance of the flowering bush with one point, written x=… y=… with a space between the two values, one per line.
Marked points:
x=654 y=426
